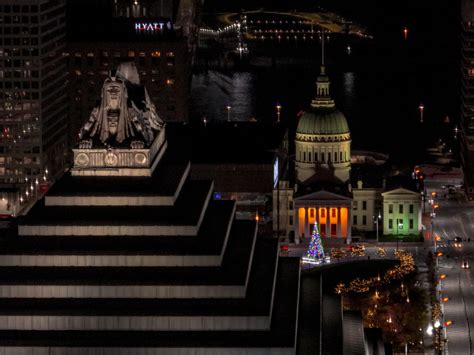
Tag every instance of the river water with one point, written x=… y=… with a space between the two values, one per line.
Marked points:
x=378 y=86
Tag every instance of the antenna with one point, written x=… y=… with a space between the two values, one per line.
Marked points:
x=322 y=46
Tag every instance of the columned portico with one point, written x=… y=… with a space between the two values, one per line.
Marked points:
x=331 y=211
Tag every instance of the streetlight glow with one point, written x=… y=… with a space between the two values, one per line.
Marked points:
x=422 y=108
x=278 y=108
x=405 y=33
x=228 y=112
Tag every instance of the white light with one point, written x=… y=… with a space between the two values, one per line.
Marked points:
x=437 y=324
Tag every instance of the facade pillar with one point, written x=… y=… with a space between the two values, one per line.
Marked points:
x=316 y=217
x=349 y=224
x=338 y=234
x=296 y=225
x=306 y=223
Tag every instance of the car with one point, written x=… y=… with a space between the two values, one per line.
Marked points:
x=457 y=242
x=465 y=264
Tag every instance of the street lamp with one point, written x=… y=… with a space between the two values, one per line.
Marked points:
x=228 y=113
x=399 y=226
x=421 y=107
x=376 y=222
x=278 y=108
x=405 y=33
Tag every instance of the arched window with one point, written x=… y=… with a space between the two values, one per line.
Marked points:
x=329 y=157
x=309 y=156
x=335 y=156
x=322 y=157
x=340 y=156
x=304 y=156
x=315 y=156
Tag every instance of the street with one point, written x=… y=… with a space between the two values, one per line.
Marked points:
x=455 y=219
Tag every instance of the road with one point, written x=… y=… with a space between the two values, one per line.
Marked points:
x=455 y=217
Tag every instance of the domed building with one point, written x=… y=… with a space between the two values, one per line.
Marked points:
x=323 y=140
x=317 y=190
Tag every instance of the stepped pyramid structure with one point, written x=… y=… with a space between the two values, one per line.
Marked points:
x=127 y=255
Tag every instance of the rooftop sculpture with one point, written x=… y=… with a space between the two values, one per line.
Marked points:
x=124 y=135
x=125 y=115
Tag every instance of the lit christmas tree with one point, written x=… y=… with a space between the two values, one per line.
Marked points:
x=315 y=250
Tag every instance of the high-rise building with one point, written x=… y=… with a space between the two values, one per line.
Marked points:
x=145 y=8
x=96 y=45
x=467 y=95
x=33 y=107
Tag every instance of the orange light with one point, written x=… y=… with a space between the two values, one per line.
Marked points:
x=442 y=276
x=449 y=322
x=440 y=253
x=433 y=194
x=438 y=238
x=257 y=218
x=435 y=205
x=405 y=32
x=445 y=299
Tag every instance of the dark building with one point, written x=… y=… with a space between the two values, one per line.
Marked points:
x=127 y=254
x=33 y=102
x=96 y=45
x=146 y=8
x=467 y=95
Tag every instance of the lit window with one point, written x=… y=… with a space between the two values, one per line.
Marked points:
x=156 y=54
x=170 y=81
x=170 y=54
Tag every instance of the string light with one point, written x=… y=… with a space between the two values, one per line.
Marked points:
x=406 y=266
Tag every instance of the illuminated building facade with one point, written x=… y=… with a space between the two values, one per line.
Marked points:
x=322 y=161
x=467 y=96
x=33 y=106
x=401 y=212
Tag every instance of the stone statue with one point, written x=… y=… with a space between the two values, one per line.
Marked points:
x=118 y=119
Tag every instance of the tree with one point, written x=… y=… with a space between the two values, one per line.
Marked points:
x=315 y=249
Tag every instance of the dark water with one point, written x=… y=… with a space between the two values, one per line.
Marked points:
x=379 y=87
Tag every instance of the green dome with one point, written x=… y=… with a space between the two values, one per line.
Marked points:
x=322 y=121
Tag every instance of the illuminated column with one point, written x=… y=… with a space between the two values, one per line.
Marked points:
x=297 y=225
x=339 y=234
x=306 y=223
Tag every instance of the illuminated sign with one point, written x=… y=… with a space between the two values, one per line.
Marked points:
x=149 y=26
x=153 y=27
